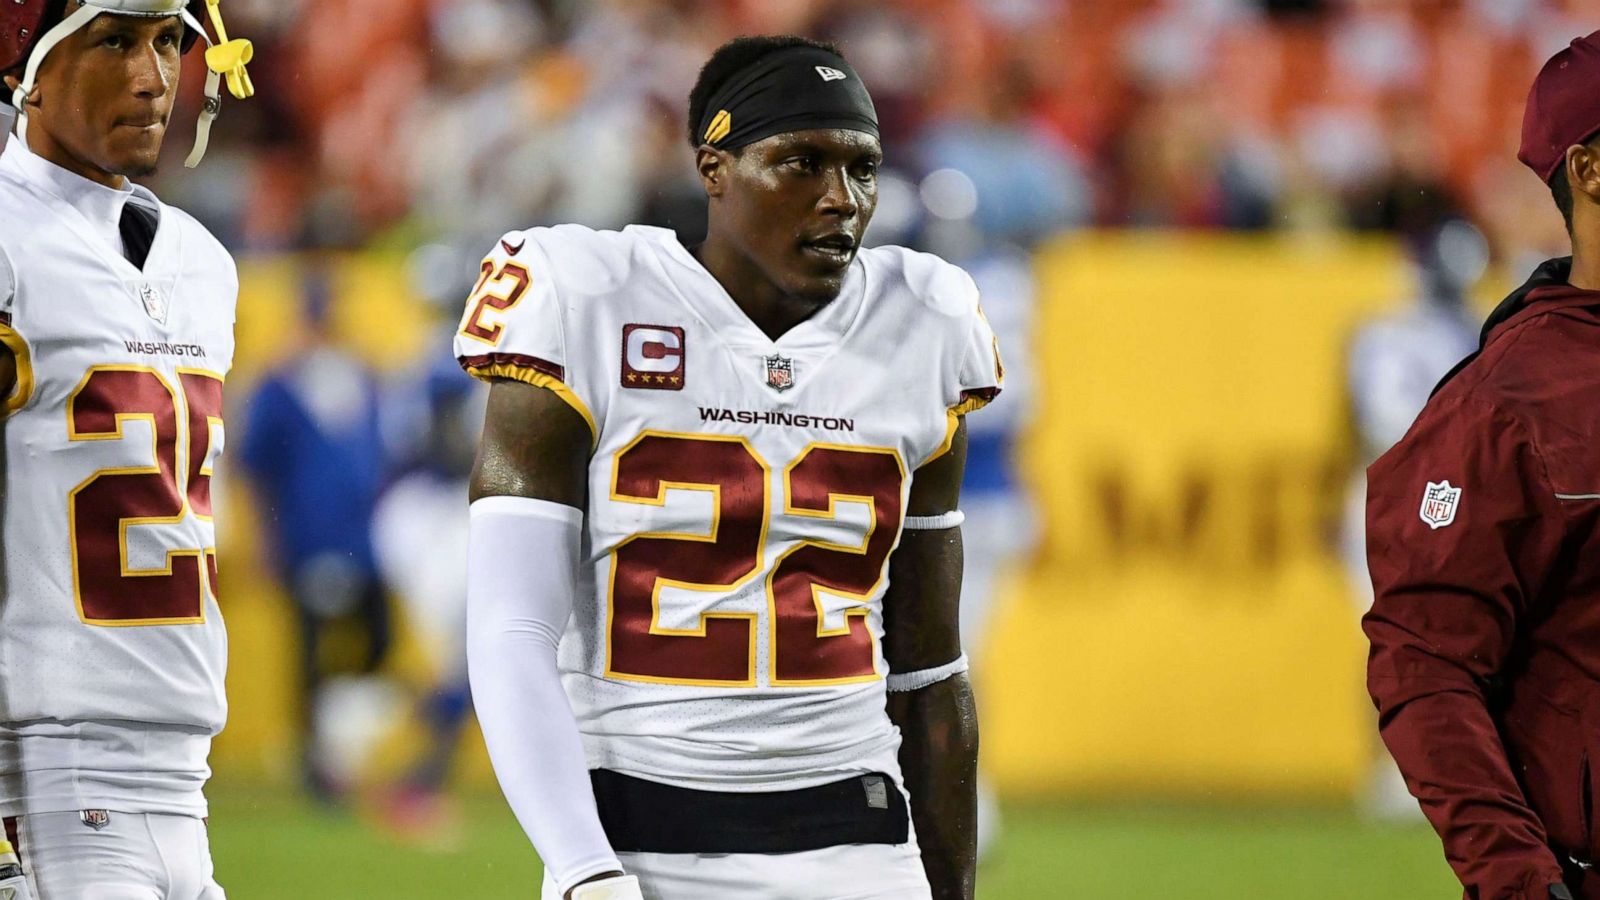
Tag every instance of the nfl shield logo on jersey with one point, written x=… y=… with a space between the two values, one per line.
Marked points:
x=95 y=818
x=1439 y=502
x=155 y=305
x=780 y=372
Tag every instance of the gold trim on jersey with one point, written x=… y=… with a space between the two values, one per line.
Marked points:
x=953 y=421
x=862 y=613
x=188 y=439
x=206 y=471
x=660 y=499
x=970 y=404
x=180 y=465
x=22 y=391
x=546 y=381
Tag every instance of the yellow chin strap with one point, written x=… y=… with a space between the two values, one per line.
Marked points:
x=224 y=59
x=228 y=58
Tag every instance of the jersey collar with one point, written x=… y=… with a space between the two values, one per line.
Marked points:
x=706 y=296
x=100 y=206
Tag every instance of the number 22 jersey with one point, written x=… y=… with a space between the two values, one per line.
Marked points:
x=112 y=647
x=744 y=493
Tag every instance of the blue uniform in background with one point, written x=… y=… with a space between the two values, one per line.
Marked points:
x=314 y=450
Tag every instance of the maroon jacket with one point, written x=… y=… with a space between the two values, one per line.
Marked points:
x=1485 y=661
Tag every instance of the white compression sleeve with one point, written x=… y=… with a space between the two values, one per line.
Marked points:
x=522 y=558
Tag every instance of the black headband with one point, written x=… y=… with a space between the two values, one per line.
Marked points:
x=794 y=89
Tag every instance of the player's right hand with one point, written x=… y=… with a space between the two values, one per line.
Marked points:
x=616 y=887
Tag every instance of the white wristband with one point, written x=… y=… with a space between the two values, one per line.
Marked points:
x=900 y=682
x=934 y=523
x=621 y=887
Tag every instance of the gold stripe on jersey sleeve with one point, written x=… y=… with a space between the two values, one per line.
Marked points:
x=541 y=379
x=23 y=391
x=970 y=404
x=971 y=401
x=953 y=419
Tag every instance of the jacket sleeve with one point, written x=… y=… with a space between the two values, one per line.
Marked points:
x=1453 y=575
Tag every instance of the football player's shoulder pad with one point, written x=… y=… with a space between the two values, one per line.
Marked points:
x=941 y=286
x=579 y=259
x=194 y=229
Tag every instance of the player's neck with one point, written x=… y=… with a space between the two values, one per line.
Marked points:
x=1585 y=271
x=51 y=151
x=767 y=305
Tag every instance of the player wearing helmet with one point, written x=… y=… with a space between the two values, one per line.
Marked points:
x=116 y=331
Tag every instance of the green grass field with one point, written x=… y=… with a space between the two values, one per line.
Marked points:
x=271 y=845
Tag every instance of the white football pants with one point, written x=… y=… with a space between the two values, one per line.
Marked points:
x=850 y=872
x=135 y=856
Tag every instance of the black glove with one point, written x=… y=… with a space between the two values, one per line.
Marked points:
x=1560 y=892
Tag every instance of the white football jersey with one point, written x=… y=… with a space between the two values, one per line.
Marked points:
x=744 y=494
x=112 y=647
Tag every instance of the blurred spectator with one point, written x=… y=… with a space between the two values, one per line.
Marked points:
x=459 y=118
x=1394 y=362
x=314 y=451
x=1026 y=186
x=420 y=532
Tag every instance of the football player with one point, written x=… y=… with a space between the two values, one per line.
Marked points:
x=716 y=502
x=116 y=322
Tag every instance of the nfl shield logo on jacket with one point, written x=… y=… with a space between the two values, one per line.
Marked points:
x=1439 y=501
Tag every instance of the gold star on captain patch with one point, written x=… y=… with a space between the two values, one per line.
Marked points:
x=661 y=379
x=632 y=377
x=676 y=379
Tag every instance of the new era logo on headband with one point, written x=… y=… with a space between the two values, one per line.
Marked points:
x=829 y=74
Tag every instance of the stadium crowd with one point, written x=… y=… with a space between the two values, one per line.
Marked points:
x=409 y=120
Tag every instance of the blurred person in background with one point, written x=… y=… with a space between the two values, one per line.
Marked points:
x=738 y=707
x=1394 y=362
x=1481 y=527
x=315 y=450
x=116 y=332
x=420 y=533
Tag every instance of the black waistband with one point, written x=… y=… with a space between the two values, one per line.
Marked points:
x=648 y=817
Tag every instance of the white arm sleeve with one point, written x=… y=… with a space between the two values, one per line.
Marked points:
x=522 y=558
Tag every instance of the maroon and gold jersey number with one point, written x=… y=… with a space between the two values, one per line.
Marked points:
x=721 y=650
x=498 y=290
x=101 y=509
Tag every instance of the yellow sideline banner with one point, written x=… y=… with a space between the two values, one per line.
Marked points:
x=1185 y=628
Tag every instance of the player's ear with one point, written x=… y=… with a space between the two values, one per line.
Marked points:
x=712 y=164
x=1583 y=167
x=12 y=82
